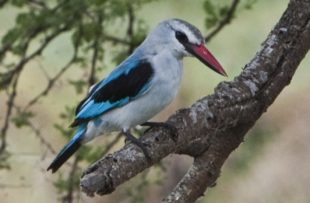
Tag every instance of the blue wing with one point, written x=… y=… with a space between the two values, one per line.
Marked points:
x=129 y=81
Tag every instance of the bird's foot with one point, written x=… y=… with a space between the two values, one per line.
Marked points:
x=136 y=142
x=173 y=130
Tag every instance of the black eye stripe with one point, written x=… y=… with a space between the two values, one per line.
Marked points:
x=181 y=37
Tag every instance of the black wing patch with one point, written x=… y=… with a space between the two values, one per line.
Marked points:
x=125 y=85
x=78 y=108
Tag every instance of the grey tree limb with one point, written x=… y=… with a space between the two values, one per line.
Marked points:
x=215 y=125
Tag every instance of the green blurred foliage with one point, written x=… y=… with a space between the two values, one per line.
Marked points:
x=217 y=10
x=22 y=119
x=39 y=22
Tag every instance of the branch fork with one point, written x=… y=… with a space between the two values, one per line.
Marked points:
x=215 y=125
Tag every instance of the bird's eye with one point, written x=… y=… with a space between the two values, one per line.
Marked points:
x=181 y=37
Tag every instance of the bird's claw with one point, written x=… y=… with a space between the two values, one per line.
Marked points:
x=141 y=145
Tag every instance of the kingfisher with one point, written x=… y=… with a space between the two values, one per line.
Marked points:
x=138 y=88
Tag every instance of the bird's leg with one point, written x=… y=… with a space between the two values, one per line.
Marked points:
x=136 y=142
x=173 y=130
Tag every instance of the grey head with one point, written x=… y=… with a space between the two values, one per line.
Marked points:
x=181 y=39
x=186 y=30
x=172 y=34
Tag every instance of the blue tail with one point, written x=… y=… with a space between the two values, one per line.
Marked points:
x=74 y=144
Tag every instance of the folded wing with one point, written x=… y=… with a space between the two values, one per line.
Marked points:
x=126 y=83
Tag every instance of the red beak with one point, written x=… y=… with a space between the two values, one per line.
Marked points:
x=204 y=55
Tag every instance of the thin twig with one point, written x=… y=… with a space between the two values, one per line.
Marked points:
x=15 y=73
x=225 y=21
x=21 y=64
x=131 y=20
x=68 y=198
x=51 y=82
x=92 y=75
x=116 y=40
x=3 y=50
x=37 y=132
x=45 y=73
x=43 y=141
x=10 y=105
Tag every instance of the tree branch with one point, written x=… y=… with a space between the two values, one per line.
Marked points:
x=214 y=126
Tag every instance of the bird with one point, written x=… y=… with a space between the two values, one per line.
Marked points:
x=139 y=87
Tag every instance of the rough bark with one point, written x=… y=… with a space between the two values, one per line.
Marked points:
x=214 y=126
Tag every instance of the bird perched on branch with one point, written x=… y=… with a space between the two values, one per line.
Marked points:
x=140 y=87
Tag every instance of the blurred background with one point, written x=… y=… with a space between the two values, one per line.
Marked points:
x=271 y=166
